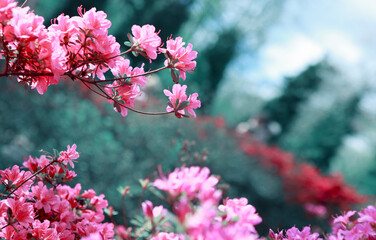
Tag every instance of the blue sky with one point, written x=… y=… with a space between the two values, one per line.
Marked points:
x=344 y=31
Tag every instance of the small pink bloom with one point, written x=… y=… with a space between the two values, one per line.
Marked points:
x=126 y=95
x=46 y=198
x=153 y=212
x=294 y=233
x=179 y=100
x=69 y=156
x=368 y=214
x=146 y=40
x=344 y=219
x=96 y=21
x=194 y=182
x=180 y=57
x=316 y=209
x=22 y=211
x=123 y=69
x=6 y=10
x=193 y=104
x=239 y=208
x=13 y=178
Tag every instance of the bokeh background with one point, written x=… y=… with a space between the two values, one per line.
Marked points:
x=299 y=75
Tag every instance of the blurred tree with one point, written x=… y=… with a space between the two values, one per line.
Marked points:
x=321 y=142
x=284 y=109
x=213 y=61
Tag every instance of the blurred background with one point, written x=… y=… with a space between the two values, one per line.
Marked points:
x=297 y=75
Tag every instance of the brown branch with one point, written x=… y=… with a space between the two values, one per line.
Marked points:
x=34 y=174
x=138 y=75
x=23 y=4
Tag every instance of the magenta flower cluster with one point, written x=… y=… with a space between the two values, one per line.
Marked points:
x=80 y=48
x=32 y=210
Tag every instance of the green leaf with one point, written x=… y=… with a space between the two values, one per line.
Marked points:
x=183 y=105
x=156 y=192
x=235 y=219
x=56 y=152
x=130 y=38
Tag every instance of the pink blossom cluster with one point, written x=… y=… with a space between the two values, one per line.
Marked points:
x=81 y=48
x=180 y=57
x=179 y=101
x=36 y=205
x=295 y=234
x=351 y=226
x=194 y=200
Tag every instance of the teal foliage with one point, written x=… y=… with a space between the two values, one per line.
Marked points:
x=213 y=61
x=320 y=144
x=284 y=108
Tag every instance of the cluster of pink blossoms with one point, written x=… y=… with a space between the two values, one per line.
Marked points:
x=29 y=209
x=81 y=49
x=360 y=227
x=194 y=200
x=348 y=226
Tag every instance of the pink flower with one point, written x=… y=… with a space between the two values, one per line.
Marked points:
x=153 y=212
x=316 y=209
x=6 y=10
x=46 y=198
x=123 y=69
x=13 y=178
x=345 y=219
x=176 y=97
x=368 y=214
x=125 y=94
x=193 y=104
x=194 y=182
x=179 y=101
x=241 y=212
x=43 y=230
x=21 y=211
x=167 y=236
x=294 y=233
x=180 y=57
x=96 y=21
x=145 y=40
x=69 y=156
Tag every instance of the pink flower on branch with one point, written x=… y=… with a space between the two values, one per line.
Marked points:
x=179 y=57
x=179 y=102
x=123 y=96
x=69 y=156
x=80 y=48
x=124 y=70
x=193 y=182
x=145 y=41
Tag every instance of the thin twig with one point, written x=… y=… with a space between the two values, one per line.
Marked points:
x=23 y=4
x=5 y=226
x=138 y=75
x=123 y=211
x=34 y=174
